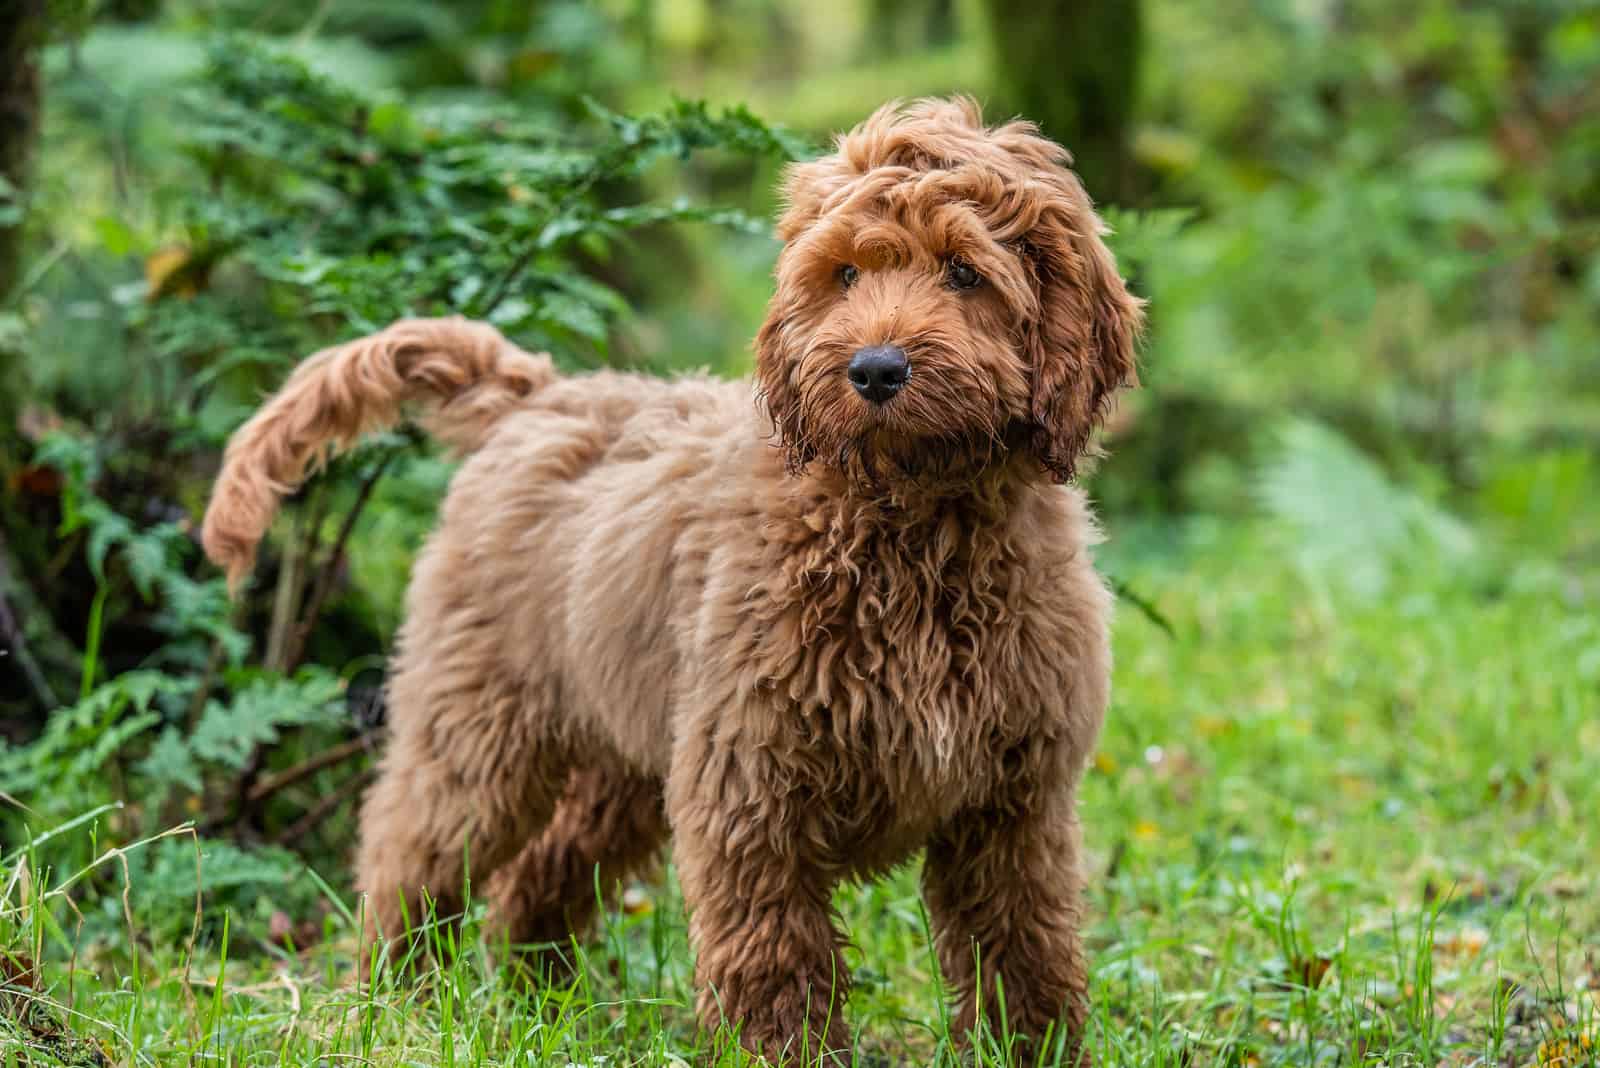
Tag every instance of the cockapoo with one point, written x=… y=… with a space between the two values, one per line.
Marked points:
x=804 y=631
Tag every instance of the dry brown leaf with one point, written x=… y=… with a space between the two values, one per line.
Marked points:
x=1309 y=971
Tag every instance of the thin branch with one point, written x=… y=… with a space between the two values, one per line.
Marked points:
x=287 y=641
x=502 y=287
x=268 y=785
x=247 y=813
x=250 y=794
x=330 y=566
x=11 y=635
x=280 y=640
x=324 y=808
x=208 y=678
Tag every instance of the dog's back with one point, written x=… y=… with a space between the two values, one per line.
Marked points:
x=569 y=532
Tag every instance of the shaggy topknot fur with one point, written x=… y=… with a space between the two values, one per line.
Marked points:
x=806 y=662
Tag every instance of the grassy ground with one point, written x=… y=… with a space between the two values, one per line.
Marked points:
x=1323 y=829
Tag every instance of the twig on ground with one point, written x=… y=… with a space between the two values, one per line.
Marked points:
x=294 y=1002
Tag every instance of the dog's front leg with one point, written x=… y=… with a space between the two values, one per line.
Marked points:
x=768 y=952
x=1003 y=893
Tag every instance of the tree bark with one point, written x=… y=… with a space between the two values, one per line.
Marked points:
x=30 y=648
x=21 y=32
x=1072 y=66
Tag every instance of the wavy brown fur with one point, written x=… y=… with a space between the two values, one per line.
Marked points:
x=807 y=654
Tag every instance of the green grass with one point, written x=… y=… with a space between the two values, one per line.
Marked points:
x=1323 y=829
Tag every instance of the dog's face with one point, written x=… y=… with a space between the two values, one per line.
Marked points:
x=943 y=298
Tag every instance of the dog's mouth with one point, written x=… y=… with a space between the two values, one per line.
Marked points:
x=882 y=457
x=916 y=436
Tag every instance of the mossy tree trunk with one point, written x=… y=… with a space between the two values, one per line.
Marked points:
x=1072 y=66
x=21 y=32
x=22 y=24
x=33 y=649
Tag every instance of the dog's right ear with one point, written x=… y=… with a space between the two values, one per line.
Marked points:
x=773 y=388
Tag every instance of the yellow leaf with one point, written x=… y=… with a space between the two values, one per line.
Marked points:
x=1146 y=831
x=172 y=272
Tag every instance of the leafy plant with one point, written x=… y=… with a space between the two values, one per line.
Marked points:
x=330 y=211
x=1351 y=524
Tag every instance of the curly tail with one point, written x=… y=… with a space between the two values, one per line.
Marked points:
x=465 y=374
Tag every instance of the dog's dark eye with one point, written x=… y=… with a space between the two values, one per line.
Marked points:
x=848 y=275
x=962 y=275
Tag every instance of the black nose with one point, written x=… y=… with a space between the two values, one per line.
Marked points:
x=878 y=372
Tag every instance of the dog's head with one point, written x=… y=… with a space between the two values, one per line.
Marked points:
x=943 y=298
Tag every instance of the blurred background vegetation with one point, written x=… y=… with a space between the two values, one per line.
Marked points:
x=1368 y=232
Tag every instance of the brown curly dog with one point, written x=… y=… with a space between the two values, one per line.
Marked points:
x=805 y=642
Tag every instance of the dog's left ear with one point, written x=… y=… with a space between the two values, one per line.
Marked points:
x=1082 y=343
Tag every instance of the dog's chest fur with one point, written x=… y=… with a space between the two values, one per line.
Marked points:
x=893 y=644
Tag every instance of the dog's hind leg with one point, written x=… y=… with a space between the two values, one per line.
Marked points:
x=474 y=768
x=610 y=824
